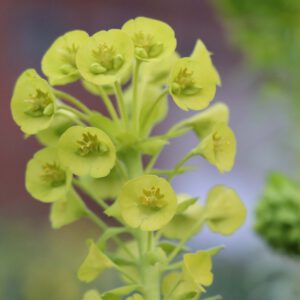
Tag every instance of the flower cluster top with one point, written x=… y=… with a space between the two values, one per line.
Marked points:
x=111 y=157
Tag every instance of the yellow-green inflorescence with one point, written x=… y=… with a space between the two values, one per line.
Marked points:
x=112 y=158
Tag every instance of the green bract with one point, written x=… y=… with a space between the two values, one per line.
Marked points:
x=105 y=57
x=94 y=264
x=33 y=103
x=197 y=269
x=201 y=54
x=59 y=124
x=46 y=178
x=87 y=151
x=147 y=202
x=152 y=39
x=204 y=122
x=59 y=63
x=219 y=148
x=67 y=210
x=187 y=218
x=224 y=210
x=192 y=83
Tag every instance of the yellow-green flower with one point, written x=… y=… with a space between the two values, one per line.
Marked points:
x=224 y=210
x=66 y=211
x=59 y=124
x=92 y=295
x=87 y=151
x=192 y=84
x=46 y=179
x=147 y=202
x=105 y=57
x=177 y=227
x=33 y=103
x=94 y=264
x=152 y=39
x=219 y=147
x=201 y=54
x=59 y=62
x=197 y=269
x=204 y=122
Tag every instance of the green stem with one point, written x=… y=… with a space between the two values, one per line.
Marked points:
x=73 y=100
x=121 y=103
x=151 y=163
x=180 y=164
x=155 y=103
x=64 y=113
x=107 y=102
x=135 y=103
x=76 y=112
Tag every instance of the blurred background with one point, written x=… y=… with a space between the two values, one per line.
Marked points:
x=256 y=46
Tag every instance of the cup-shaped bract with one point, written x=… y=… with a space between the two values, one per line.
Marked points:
x=152 y=39
x=147 y=202
x=183 y=221
x=33 y=102
x=59 y=62
x=201 y=53
x=66 y=211
x=197 y=269
x=92 y=295
x=105 y=57
x=224 y=210
x=219 y=147
x=94 y=264
x=192 y=84
x=87 y=151
x=46 y=179
x=204 y=122
x=59 y=124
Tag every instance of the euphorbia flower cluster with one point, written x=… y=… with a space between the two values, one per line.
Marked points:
x=112 y=158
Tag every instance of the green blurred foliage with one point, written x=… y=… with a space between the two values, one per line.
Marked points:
x=278 y=214
x=38 y=263
x=268 y=32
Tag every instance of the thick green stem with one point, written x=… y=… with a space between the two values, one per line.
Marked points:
x=135 y=103
x=76 y=112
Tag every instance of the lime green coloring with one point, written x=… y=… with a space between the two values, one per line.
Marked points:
x=87 y=151
x=224 y=211
x=152 y=39
x=147 y=202
x=47 y=180
x=94 y=264
x=59 y=62
x=219 y=148
x=191 y=84
x=106 y=57
x=33 y=103
x=92 y=295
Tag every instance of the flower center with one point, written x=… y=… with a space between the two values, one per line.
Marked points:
x=219 y=142
x=53 y=174
x=39 y=104
x=184 y=84
x=152 y=198
x=90 y=144
x=68 y=55
x=107 y=59
x=145 y=46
